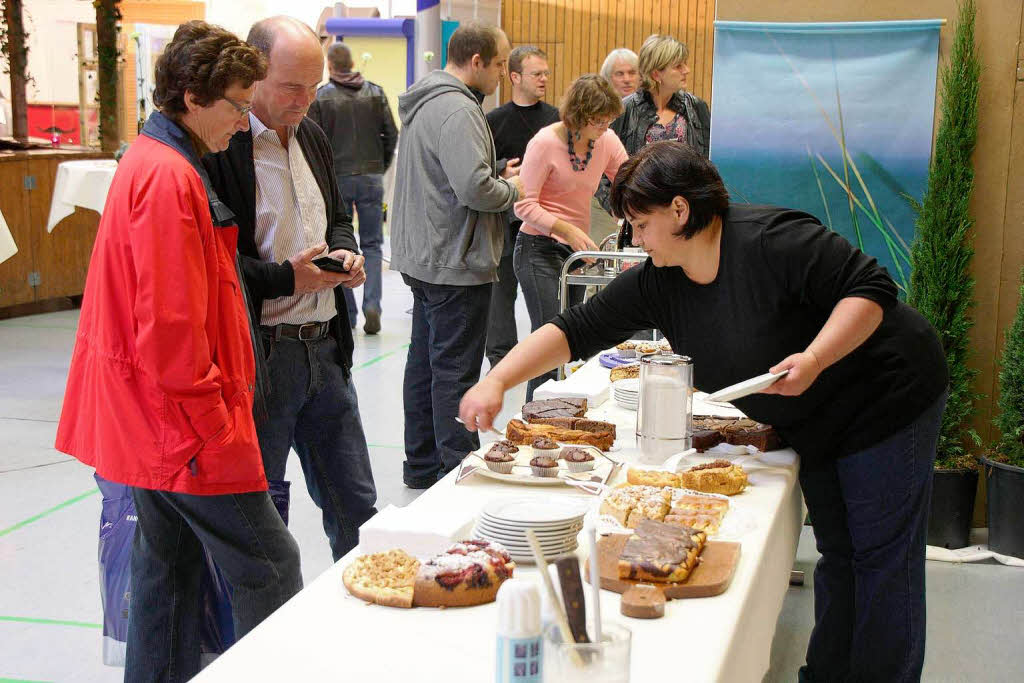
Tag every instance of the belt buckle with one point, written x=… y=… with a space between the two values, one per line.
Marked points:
x=315 y=327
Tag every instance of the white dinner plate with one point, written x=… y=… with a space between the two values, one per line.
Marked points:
x=747 y=387
x=535 y=510
x=520 y=534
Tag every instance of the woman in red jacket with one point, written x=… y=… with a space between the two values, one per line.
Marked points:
x=160 y=390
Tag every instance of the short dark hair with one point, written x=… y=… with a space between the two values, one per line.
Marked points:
x=205 y=60
x=662 y=171
x=587 y=98
x=474 y=38
x=339 y=57
x=519 y=55
x=263 y=33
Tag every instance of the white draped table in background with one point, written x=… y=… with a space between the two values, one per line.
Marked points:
x=82 y=183
x=325 y=634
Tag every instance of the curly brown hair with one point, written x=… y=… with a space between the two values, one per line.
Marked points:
x=589 y=97
x=205 y=60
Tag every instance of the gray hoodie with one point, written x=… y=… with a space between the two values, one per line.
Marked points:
x=447 y=224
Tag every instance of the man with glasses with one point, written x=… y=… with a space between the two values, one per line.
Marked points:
x=278 y=179
x=513 y=125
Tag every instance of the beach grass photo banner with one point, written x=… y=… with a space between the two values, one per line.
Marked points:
x=833 y=119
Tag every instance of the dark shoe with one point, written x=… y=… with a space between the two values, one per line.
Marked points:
x=420 y=482
x=372 y=324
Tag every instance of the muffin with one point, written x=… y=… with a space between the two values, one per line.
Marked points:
x=626 y=349
x=499 y=460
x=543 y=443
x=505 y=446
x=578 y=459
x=544 y=466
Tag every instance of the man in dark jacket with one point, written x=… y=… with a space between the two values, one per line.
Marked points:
x=278 y=178
x=357 y=119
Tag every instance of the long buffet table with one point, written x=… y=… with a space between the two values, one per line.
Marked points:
x=323 y=633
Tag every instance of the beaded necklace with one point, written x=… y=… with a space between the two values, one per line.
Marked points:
x=578 y=165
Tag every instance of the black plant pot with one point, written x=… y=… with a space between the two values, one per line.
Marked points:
x=1005 y=507
x=949 y=520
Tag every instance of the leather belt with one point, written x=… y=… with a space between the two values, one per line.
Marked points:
x=306 y=332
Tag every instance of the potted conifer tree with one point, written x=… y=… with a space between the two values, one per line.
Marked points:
x=1004 y=469
x=941 y=286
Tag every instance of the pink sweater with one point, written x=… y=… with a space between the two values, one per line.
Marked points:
x=552 y=190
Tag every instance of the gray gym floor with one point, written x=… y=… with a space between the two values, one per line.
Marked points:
x=50 y=614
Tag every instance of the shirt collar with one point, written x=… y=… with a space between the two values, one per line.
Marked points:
x=257 y=128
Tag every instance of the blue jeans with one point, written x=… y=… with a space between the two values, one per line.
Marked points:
x=366 y=192
x=312 y=406
x=538 y=264
x=249 y=542
x=870 y=515
x=449 y=326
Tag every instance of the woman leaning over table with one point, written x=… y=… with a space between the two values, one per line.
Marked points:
x=161 y=386
x=561 y=169
x=744 y=289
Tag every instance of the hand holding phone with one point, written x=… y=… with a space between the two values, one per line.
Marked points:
x=330 y=264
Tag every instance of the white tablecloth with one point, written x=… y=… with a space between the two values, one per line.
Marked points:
x=7 y=246
x=324 y=634
x=82 y=183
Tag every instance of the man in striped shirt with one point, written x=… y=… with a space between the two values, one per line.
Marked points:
x=279 y=180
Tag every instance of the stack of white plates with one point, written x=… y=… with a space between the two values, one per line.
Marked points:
x=556 y=523
x=626 y=393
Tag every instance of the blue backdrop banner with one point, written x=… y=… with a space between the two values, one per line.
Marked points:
x=832 y=119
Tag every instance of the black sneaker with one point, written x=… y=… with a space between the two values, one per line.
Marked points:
x=372 y=324
x=420 y=482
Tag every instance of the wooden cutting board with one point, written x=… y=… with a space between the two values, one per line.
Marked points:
x=711 y=577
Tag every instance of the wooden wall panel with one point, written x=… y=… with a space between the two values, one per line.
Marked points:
x=583 y=32
x=14 y=286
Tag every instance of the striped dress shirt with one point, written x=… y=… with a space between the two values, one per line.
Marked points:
x=290 y=216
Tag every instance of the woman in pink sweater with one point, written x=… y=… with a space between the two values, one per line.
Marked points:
x=561 y=170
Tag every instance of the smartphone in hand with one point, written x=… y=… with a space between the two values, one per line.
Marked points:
x=330 y=264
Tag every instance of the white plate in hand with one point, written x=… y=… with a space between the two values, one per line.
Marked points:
x=747 y=387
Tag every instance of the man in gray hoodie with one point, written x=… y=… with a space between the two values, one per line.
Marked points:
x=446 y=240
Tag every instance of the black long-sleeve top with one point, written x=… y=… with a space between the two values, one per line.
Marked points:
x=780 y=275
x=514 y=126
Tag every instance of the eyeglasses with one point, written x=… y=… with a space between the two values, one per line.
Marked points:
x=600 y=123
x=242 y=109
x=536 y=74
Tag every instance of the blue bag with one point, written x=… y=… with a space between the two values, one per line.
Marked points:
x=117 y=531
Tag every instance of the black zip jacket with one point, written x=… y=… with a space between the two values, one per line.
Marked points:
x=359 y=124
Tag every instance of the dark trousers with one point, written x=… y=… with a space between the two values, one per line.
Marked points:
x=449 y=325
x=249 y=542
x=870 y=517
x=501 y=322
x=538 y=263
x=313 y=407
x=366 y=193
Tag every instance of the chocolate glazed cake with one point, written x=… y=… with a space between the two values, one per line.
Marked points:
x=554 y=407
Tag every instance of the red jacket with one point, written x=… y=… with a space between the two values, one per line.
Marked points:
x=160 y=389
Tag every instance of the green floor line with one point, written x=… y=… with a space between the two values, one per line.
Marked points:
x=50 y=622
x=55 y=508
x=381 y=445
x=20 y=680
x=381 y=357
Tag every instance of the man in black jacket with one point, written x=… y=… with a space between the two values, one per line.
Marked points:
x=279 y=180
x=358 y=121
x=513 y=125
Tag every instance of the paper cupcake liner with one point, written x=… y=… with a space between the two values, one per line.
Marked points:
x=544 y=471
x=584 y=466
x=500 y=467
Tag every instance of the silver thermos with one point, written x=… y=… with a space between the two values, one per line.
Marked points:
x=664 y=416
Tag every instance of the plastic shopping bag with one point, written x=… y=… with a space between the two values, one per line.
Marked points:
x=117 y=530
